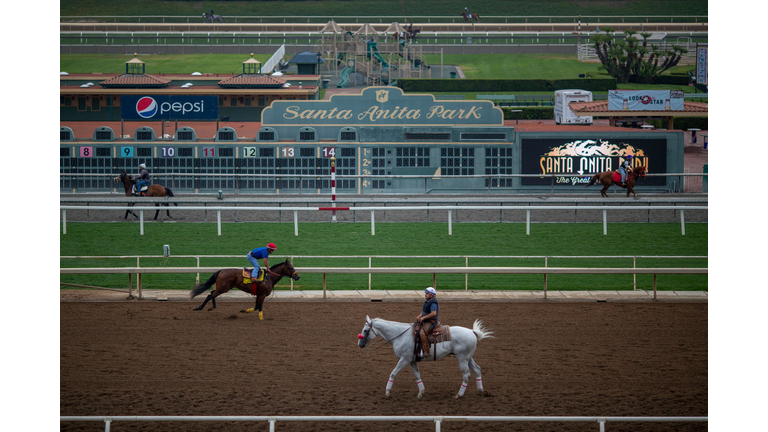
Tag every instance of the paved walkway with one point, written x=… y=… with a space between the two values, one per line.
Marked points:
x=399 y=296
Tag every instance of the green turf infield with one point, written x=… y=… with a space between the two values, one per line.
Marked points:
x=394 y=239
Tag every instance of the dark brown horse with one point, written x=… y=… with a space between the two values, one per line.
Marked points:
x=226 y=279
x=475 y=17
x=409 y=35
x=154 y=190
x=607 y=179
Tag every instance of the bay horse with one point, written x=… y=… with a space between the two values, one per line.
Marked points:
x=154 y=190
x=400 y=335
x=607 y=178
x=475 y=17
x=226 y=279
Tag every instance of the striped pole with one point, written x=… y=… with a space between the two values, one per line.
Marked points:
x=333 y=188
x=579 y=30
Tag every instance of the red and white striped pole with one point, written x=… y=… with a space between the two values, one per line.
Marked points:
x=333 y=188
x=579 y=30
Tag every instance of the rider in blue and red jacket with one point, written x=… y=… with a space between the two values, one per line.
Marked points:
x=625 y=166
x=260 y=253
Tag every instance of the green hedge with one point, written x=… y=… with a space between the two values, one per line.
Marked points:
x=683 y=123
x=505 y=85
x=548 y=113
x=530 y=113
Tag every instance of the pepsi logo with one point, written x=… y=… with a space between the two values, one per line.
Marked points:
x=146 y=107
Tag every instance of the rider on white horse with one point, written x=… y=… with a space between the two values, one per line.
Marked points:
x=427 y=320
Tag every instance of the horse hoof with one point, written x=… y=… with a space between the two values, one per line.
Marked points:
x=485 y=393
x=419 y=396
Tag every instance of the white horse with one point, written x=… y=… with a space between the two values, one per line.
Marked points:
x=400 y=335
x=215 y=18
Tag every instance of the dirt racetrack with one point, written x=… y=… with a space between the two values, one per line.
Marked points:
x=547 y=359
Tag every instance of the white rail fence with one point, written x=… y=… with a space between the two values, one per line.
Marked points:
x=437 y=420
x=370 y=259
x=334 y=209
x=139 y=271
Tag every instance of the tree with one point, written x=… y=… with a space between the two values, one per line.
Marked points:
x=626 y=59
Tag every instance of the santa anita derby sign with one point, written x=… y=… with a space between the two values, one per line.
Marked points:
x=380 y=106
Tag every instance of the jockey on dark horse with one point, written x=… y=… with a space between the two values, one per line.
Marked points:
x=469 y=13
x=142 y=179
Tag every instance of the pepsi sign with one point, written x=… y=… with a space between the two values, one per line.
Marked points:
x=169 y=107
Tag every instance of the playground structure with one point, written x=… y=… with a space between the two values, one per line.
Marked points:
x=370 y=57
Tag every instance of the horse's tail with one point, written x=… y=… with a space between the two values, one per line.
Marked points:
x=169 y=193
x=593 y=181
x=480 y=331
x=204 y=286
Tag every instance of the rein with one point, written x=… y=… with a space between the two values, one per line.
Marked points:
x=371 y=329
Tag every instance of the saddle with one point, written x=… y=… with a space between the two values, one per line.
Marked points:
x=441 y=333
x=247 y=275
x=142 y=192
x=617 y=175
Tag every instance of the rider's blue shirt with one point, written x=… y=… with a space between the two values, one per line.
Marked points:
x=260 y=253
x=429 y=306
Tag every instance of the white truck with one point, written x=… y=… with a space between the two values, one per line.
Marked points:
x=563 y=113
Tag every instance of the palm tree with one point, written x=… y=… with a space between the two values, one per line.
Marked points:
x=625 y=59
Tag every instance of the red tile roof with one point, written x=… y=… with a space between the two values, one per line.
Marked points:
x=602 y=107
x=252 y=81
x=131 y=80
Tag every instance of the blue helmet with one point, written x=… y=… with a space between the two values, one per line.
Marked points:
x=628 y=156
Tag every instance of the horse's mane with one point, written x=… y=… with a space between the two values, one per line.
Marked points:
x=277 y=265
x=392 y=322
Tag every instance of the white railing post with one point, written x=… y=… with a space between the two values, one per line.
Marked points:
x=141 y=222
x=295 y=223
x=450 y=222
x=634 y=276
x=369 y=275
x=605 y=222
x=64 y=220
x=373 y=224
x=682 y=220
x=528 y=222
x=218 y=221
x=466 y=275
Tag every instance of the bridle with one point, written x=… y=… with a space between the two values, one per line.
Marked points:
x=292 y=275
x=371 y=329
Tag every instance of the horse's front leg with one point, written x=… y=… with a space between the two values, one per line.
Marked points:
x=400 y=365
x=259 y=306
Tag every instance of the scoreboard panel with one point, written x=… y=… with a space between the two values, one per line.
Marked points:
x=287 y=167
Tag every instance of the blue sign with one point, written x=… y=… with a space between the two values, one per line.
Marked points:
x=646 y=100
x=702 y=62
x=169 y=107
